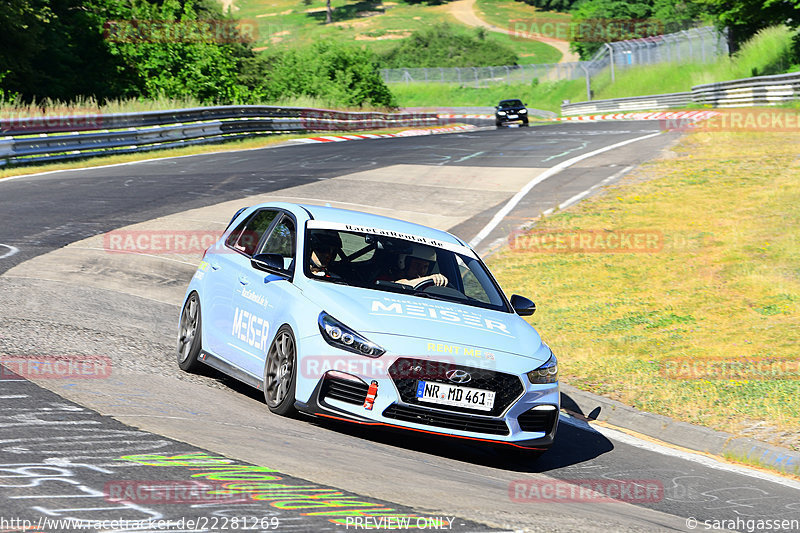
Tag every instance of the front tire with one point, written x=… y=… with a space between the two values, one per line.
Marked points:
x=280 y=373
x=189 y=334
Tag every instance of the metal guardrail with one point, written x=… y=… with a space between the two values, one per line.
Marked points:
x=637 y=103
x=746 y=92
x=38 y=139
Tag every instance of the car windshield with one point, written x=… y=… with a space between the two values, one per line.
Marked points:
x=398 y=265
x=511 y=103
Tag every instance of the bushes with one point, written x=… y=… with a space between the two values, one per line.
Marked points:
x=339 y=74
x=70 y=50
x=443 y=45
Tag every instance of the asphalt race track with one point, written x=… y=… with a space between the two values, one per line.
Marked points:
x=67 y=291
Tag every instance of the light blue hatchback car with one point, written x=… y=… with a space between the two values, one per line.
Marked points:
x=371 y=320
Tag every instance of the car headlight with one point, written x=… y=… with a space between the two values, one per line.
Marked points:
x=340 y=336
x=547 y=373
x=523 y=110
x=501 y=112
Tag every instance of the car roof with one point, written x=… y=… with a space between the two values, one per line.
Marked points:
x=346 y=216
x=511 y=100
x=358 y=218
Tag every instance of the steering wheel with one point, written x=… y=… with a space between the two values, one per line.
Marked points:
x=423 y=283
x=426 y=282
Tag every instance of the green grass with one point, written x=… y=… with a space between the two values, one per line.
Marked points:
x=529 y=51
x=766 y=53
x=504 y=14
x=546 y=96
x=725 y=285
x=86 y=106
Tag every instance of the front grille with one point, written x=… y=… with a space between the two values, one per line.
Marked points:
x=537 y=420
x=344 y=390
x=406 y=373
x=441 y=419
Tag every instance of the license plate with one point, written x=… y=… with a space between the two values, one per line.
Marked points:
x=512 y=116
x=454 y=395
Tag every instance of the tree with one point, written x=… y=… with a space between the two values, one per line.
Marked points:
x=65 y=49
x=600 y=21
x=744 y=18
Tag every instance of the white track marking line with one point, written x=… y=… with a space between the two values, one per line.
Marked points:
x=512 y=203
x=704 y=460
x=588 y=191
x=11 y=250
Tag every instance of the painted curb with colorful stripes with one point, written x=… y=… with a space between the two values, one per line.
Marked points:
x=655 y=115
x=691 y=116
x=406 y=133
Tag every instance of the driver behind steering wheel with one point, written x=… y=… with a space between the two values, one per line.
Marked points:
x=415 y=266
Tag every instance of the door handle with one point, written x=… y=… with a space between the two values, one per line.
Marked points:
x=243 y=280
x=215 y=266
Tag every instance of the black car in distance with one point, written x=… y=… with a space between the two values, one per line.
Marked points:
x=510 y=111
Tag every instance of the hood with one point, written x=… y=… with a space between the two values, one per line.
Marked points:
x=373 y=311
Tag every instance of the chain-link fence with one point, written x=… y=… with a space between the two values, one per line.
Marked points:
x=696 y=45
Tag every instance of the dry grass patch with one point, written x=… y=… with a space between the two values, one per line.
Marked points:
x=725 y=284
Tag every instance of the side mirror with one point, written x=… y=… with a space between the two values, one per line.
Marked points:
x=522 y=306
x=272 y=263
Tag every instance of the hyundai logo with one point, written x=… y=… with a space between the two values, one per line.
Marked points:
x=458 y=376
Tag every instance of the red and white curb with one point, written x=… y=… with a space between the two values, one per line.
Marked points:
x=467 y=116
x=406 y=133
x=657 y=115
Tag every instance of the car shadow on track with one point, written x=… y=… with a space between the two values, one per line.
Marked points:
x=576 y=442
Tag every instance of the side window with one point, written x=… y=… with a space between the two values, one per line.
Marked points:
x=281 y=241
x=472 y=286
x=246 y=236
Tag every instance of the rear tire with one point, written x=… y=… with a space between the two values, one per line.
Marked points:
x=280 y=373
x=189 y=334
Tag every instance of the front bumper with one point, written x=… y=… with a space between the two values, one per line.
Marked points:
x=526 y=417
